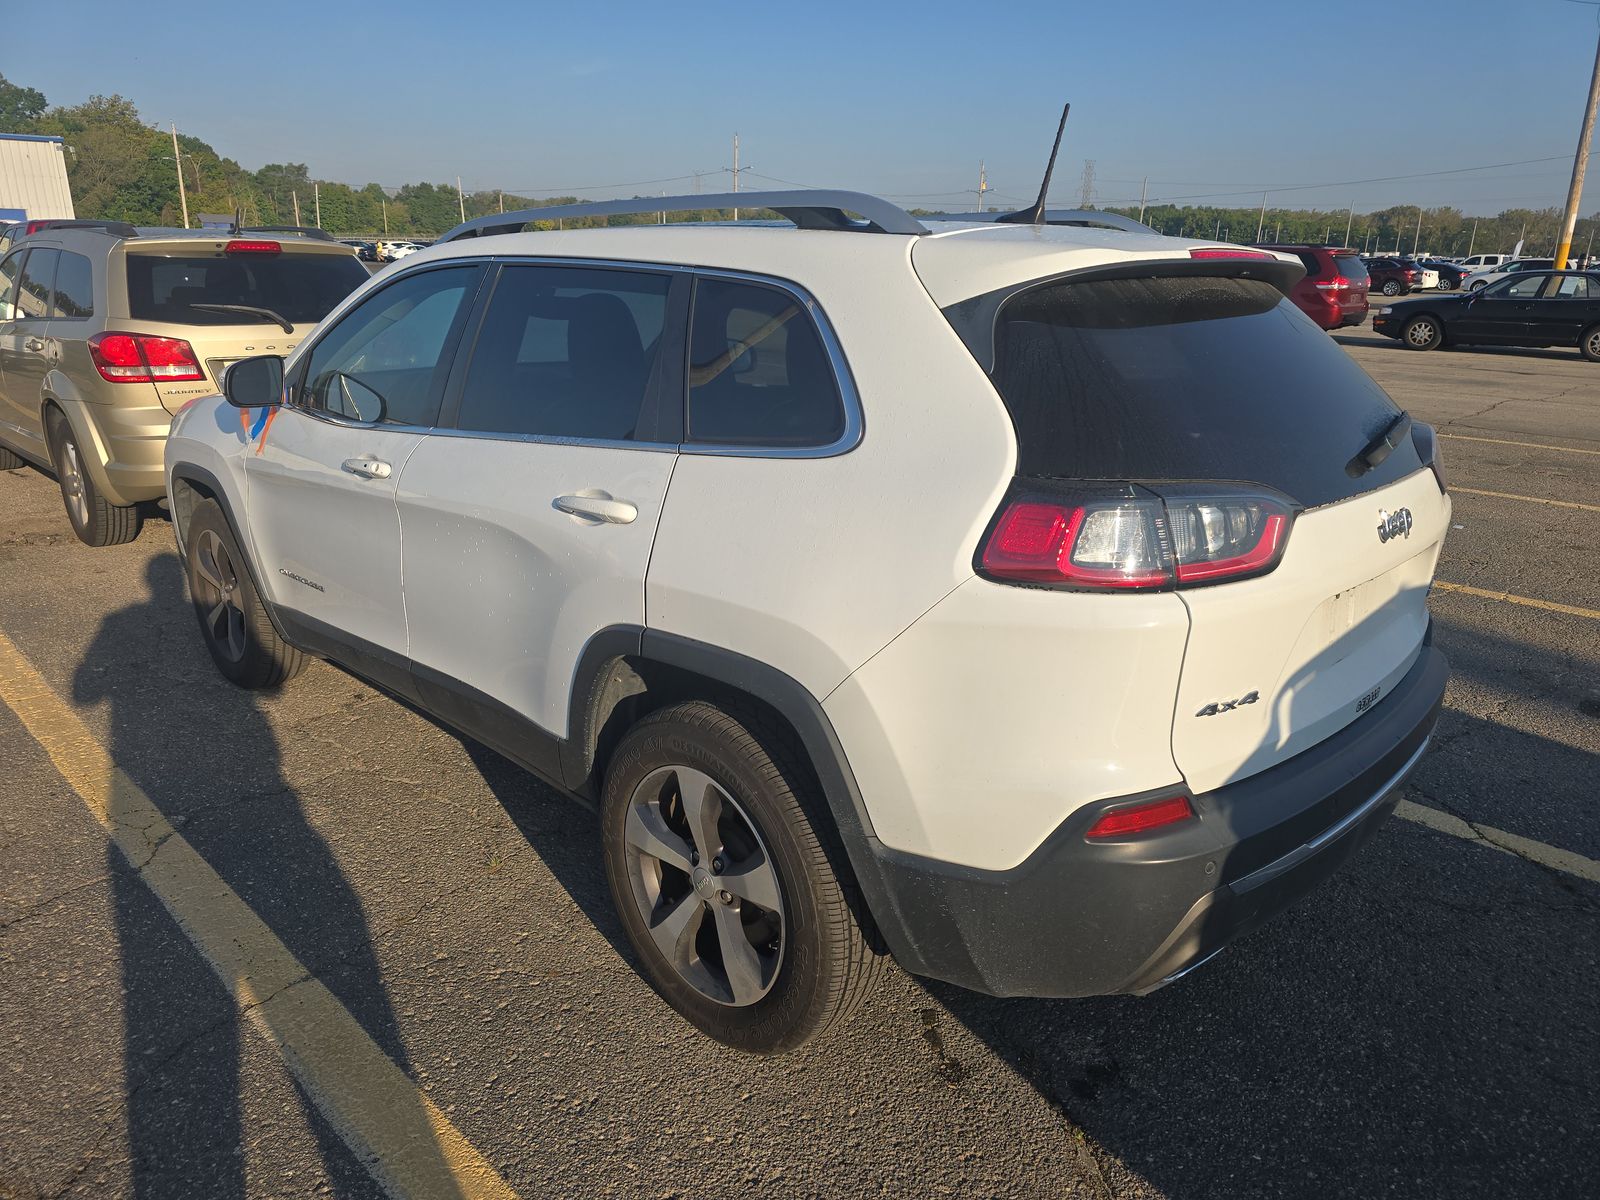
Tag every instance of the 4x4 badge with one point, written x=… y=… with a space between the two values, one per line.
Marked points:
x=1394 y=524
x=1223 y=706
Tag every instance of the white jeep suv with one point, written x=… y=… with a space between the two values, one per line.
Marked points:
x=1043 y=604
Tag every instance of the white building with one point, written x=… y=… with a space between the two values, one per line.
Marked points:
x=33 y=178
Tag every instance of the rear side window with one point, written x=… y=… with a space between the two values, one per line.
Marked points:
x=301 y=288
x=1572 y=287
x=33 y=297
x=10 y=277
x=74 y=288
x=1191 y=377
x=566 y=352
x=1351 y=267
x=758 y=372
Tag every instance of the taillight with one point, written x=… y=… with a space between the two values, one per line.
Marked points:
x=242 y=247
x=1142 y=817
x=1228 y=252
x=1135 y=538
x=140 y=358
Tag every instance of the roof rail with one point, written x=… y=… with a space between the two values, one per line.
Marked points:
x=117 y=228
x=310 y=231
x=1058 y=216
x=808 y=209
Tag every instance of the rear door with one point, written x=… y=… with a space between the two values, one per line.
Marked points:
x=1564 y=309
x=528 y=520
x=1211 y=391
x=322 y=470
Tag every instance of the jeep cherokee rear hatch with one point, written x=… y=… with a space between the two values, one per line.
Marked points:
x=203 y=303
x=1184 y=427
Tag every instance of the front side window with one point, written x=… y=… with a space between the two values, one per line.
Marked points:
x=74 y=288
x=1522 y=287
x=566 y=352
x=758 y=372
x=10 y=276
x=33 y=297
x=385 y=360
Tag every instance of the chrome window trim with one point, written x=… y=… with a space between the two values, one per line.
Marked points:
x=854 y=420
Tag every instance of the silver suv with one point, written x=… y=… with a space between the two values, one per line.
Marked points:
x=107 y=330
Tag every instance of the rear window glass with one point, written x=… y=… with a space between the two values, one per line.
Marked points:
x=33 y=297
x=1187 y=377
x=302 y=288
x=1351 y=267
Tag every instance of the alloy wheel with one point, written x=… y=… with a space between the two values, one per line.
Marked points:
x=215 y=582
x=705 y=885
x=72 y=483
x=1421 y=333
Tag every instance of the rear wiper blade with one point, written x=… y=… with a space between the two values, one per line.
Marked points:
x=249 y=310
x=1380 y=447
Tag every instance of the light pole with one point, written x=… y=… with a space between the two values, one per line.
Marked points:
x=1580 y=164
x=183 y=196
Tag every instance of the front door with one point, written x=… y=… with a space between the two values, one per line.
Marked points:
x=1502 y=311
x=322 y=470
x=528 y=525
x=24 y=348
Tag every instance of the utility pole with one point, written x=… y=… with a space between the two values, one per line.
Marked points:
x=1263 y=219
x=1349 y=222
x=183 y=195
x=1143 y=185
x=461 y=200
x=1580 y=164
x=384 y=204
x=500 y=195
x=1589 y=250
x=296 y=196
x=316 y=201
x=1417 y=240
x=736 y=171
x=983 y=184
x=1217 y=236
x=1474 y=240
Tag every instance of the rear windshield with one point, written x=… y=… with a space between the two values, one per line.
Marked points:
x=1351 y=267
x=1187 y=377
x=301 y=288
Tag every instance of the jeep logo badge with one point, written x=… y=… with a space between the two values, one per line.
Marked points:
x=1395 y=524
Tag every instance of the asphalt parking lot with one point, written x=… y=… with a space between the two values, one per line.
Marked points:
x=313 y=944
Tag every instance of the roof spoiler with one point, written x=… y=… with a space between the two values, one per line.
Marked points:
x=116 y=228
x=807 y=208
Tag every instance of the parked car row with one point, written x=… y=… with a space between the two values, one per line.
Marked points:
x=1531 y=306
x=636 y=481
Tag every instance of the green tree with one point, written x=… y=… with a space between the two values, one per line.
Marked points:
x=20 y=107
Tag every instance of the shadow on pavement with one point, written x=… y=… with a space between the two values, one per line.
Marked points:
x=215 y=774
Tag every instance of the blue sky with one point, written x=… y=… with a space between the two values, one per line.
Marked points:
x=903 y=100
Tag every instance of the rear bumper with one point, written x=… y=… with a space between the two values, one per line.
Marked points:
x=1079 y=918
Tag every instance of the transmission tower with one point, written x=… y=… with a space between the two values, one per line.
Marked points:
x=1086 y=188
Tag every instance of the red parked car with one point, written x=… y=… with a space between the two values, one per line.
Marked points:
x=1334 y=291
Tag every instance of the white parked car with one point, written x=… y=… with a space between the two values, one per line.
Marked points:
x=967 y=589
x=1480 y=262
x=1484 y=276
x=395 y=251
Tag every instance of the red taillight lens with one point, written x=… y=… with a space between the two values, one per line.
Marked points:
x=1100 y=544
x=241 y=247
x=1142 y=818
x=1138 y=539
x=138 y=358
x=1227 y=252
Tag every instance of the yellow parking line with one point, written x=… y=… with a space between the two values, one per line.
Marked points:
x=1529 y=601
x=1454 y=487
x=1553 y=857
x=1461 y=437
x=409 y=1146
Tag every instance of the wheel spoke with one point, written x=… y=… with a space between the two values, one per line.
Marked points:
x=739 y=958
x=236 y=632
x=677 y=925
x=212 y=618
x=205 y=563
x=702 y=804
x=754 y=880
x=647 y=833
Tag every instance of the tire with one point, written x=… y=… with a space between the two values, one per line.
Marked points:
x=806 y=963
x=1478 y=285
x=233 y=621
x=95 y=520
x=1589 y=343
x=1446 y=284
x=1391 y=287
x=10 y=460
x=1422 y=333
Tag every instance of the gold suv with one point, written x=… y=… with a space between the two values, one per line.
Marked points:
x=106 y=331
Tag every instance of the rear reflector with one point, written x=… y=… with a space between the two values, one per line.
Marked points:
x=1228 y=252
x=241 y=247
x=1142 y=818
x=1135 y=538
x=139 y=358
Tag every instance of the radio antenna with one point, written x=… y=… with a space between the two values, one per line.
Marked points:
x=1035 y=215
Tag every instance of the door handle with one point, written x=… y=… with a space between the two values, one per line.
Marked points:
x=368 y=468
x=33 y=343
x=597 y=508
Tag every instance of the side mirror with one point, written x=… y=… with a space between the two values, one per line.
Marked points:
x=254 y=382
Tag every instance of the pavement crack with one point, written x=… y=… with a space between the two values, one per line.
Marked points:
x=38 y=907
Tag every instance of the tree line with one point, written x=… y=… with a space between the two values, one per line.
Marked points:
x=121 y=168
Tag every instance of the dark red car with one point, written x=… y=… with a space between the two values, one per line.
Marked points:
x=1334 y=291
x=1394 y=276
